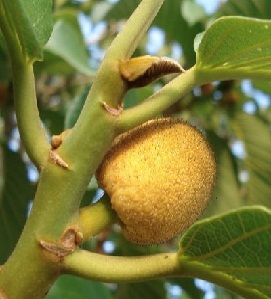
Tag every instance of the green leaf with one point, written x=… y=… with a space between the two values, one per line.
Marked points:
x=31 y=21
x=232 y=250
x=236 y=47
x=70 y=287
x=67 y=43
x=226 y=195
x=250 y=8
x=14 y=200
x=255 y=134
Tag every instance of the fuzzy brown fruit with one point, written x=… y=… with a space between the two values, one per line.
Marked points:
x=159 y=177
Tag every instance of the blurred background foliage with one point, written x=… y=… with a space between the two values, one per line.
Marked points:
x=234 y=115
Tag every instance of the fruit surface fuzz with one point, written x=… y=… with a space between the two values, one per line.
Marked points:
x=160 y=177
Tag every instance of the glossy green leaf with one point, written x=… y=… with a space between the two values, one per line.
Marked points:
x=16 y=195
x=67 y=43
x=31 y=21
x=70 y=287
x=236 y=47
x=250 y=8
x=256 y=136
x=232 y=250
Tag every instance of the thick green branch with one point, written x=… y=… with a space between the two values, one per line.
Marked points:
x=96 y=217
x=158 y=102
x=109 y=87
x=55 y=209
x=121 y=269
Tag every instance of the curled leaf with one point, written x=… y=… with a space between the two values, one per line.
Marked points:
x=141 y=71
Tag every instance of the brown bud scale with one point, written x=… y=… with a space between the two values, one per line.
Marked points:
x=141 y=71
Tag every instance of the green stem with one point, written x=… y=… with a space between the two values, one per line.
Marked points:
x=128 y=39
x=131 y=269
x=121 y=269
x=96 y=217
x=55 y=208
x=195 y=269
x=205 y=75
x=176 y=89
x=28 y=120
x=158 y=102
